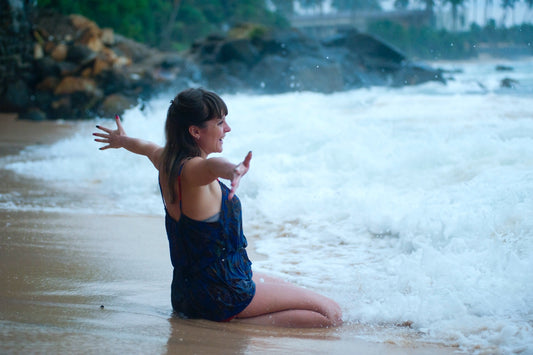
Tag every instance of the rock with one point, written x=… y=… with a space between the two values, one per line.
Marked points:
x=128 y=48
x=115 y=104
x=80 y=54
x=38 y=51
x=283 y=61
x=33 y=114
x=372 y=51
x=315 y=74
x=240 y=50
x=508 y=83
x=270 y=84
x=108 y=37
x=16 y=97
x=504 y=68
x=70 y=85
x=100 y=65
x=59 y=53
x=49 y=84
x=416 y=74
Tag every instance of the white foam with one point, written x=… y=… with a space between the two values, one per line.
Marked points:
x=409 y=204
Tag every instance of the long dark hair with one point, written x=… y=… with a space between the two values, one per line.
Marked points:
x=191 y=107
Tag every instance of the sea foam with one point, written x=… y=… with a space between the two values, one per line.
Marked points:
x=405 y=205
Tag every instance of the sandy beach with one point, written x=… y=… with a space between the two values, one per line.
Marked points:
x=73 y=283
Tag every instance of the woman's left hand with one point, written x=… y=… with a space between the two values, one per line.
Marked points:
x=238 y=172
x=113 y=138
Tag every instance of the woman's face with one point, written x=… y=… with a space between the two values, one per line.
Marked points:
x=211 y=137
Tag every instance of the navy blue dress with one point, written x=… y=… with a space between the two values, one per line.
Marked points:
x=212 y=273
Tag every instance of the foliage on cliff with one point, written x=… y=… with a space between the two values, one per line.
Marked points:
x=168 y=24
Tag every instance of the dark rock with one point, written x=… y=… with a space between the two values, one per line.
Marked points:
x=80 y=54
x=374 y=52
x=315 y=74
x=115 y=104
x=289 y=61
x=270 y=75
x=508 y=83
x=131 y=49
x=416 y=74
x=33 y=114
x=48 y=84
x=240 y=50
x=16 y=97
x=46 y=67
x=70 y=84
x=504 y=68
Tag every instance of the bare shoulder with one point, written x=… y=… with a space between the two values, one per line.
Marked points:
x=196 y=172
x=156 y=157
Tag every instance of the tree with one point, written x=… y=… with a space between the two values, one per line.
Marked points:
x=455 y=10
x=507 y=5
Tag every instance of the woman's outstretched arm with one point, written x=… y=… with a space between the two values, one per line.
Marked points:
x=119 y=139
x=200 y=171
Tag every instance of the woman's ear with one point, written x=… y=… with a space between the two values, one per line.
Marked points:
x=194 y=131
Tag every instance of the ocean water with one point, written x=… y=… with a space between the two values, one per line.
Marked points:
x=409 y=205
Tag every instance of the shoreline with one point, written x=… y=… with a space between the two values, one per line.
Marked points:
x=59 y=269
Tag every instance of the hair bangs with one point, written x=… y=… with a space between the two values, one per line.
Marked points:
x=215 y=107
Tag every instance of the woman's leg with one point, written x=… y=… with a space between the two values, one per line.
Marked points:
x=280 y=303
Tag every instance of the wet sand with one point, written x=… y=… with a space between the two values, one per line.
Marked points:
x=89 y=283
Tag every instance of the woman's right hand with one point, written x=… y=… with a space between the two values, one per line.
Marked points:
x=113 y=138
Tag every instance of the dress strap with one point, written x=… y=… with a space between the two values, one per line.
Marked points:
x=179 y=183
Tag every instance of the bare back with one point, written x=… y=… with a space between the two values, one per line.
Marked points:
x=199 y=202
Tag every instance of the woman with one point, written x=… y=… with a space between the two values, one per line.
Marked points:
x=212 y=276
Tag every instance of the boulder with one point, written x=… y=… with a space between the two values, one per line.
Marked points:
x=273 y=62
x=115 y=104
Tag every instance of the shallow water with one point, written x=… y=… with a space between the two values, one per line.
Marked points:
x=405 y=205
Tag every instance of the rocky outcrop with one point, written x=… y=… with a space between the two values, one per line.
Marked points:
x=76 y=69
x=79 y=70
x=289 y=61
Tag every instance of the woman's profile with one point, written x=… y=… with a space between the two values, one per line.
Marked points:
x=212 y=276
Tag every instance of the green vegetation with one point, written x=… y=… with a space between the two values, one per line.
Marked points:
x=168 y=24
x=430 y=43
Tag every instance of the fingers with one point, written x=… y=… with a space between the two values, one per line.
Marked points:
x=247 y=159
x=105 y=129
x=96 y=134
x=119 y=124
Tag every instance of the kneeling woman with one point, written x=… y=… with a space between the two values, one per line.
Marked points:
x=212 y=273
